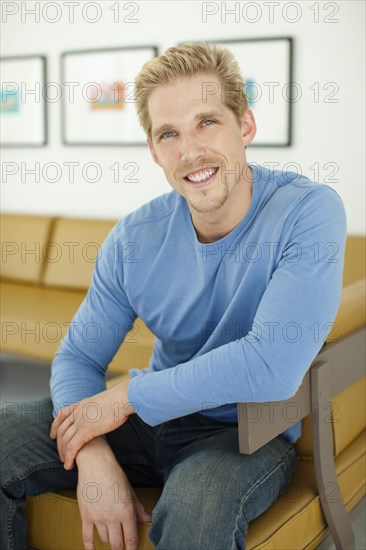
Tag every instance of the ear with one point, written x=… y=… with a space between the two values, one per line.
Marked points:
x=249 y=127
x=152 y=151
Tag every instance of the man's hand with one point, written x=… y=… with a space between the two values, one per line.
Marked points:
x=106 y=499
x=79 y=423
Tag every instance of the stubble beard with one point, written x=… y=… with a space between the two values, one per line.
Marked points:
x=206 y=204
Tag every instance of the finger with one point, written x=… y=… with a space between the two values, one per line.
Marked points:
x=65 y=428
x=62 y=414
x=64 y=442
x=60 y=434
x=88 y=536
x=130 y=533
x=115 y=537
x=73 y=447
x=102 y=531
x=142 y=514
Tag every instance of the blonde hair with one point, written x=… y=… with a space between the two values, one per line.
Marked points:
x=185 y=61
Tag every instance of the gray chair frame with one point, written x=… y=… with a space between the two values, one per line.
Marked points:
x=338 y=365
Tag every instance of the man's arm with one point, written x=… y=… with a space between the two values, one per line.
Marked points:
x=292 y=321
x=78 y=371
x=113 y=513
x=96 y=331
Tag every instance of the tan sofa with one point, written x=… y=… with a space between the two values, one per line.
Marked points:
x=46 y=267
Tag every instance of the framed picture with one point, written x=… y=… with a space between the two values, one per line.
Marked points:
x=98 y=103
x=266 y=64
x=23 y=112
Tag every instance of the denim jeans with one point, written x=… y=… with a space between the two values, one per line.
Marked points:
x=210 y=490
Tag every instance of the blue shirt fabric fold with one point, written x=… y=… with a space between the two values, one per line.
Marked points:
x=237 y=320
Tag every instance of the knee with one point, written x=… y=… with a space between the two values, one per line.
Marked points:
x=23 y=428
x=21 y=417
x=10 y=438
x=10 y=425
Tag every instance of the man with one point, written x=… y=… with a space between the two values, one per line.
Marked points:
x=238 y=274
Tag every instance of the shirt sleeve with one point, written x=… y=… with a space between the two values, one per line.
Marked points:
x=294 y=317
x=96 y=331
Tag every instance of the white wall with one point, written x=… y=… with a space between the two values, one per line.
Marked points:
x=323 y=132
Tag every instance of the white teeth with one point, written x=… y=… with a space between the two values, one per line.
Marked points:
x=202 y=176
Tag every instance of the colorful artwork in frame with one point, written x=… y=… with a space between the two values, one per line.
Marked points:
x=98 y=96
x=23 y=109
x=266 y=64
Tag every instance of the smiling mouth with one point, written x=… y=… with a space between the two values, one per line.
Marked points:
x=201 y=176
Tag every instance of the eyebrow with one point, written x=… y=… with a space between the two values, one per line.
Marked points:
x=205 y=114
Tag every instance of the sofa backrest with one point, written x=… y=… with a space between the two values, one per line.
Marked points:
x=59 y=252
x=23 y=245
x=72 y=251
x=355 y=259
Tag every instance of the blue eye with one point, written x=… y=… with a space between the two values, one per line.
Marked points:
x=208 y=122
x=168 y=134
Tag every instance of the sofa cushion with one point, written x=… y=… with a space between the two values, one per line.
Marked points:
x=35 y=319
x=72 y=251
x=55 y=524
x=24 y=246
x=294 y=521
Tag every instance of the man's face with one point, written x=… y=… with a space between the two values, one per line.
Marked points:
x=198 y=141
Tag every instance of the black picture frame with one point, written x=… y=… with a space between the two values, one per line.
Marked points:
x=108 y=118
x=23 y=111
x=257 y=57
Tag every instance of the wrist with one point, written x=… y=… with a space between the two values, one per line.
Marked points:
x=128 y=406
x=96 y=447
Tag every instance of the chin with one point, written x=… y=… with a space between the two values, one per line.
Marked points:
x=208 y=205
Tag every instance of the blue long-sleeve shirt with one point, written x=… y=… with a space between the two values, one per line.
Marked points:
x=237 y=320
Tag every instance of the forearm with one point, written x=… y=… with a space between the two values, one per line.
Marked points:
x=99 y=468
x=95 y=449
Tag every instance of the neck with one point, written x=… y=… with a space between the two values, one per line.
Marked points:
x=212 y=226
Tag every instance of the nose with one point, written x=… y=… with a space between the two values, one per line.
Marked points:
x=191 y=148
